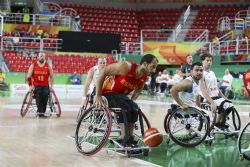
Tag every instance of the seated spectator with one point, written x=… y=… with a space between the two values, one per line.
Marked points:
x=75 y=79
x=3 y=84
x=178 y=77
x=226 y=83
x=165 y=77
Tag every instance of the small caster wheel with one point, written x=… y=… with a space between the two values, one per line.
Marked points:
x=241 y=157
x=145 y=152
x=209 y=142
x=168 y=141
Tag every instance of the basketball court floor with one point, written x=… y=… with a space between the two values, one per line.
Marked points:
x=33 y=142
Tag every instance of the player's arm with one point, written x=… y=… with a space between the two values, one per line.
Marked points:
x=221 y=94
x=180 y=87
x=198 y=100
x=137 y=92
x=205 y=94
x=29 y=74
x=111 y=70
x=51 y=76
x=88 y=81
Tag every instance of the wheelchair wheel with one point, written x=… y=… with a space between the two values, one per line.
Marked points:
x=244 y=142
x=26 y=103
x=188 y=127
x=233 y=120
x=82 y=109
x=54 y=104
x=166 y=122
x=142 y=125
x=93 y=130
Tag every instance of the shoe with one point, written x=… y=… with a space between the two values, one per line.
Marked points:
x=222 y=126
x=132 y=140
x=42 y=116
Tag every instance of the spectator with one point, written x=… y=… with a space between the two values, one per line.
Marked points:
x=186 y=68
x=75 y=79
x=3 y=84
x=226 y=83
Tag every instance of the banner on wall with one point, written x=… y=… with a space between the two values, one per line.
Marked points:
x=34 y=28
x=169 y=53
x=58 y=88
x=235 y=58
x=246 y=79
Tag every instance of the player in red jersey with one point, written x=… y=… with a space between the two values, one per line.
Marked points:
x=117 y=80
x=39 y=75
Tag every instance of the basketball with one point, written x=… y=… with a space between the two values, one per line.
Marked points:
x=152 y=137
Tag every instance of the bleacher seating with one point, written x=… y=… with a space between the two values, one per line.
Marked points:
x=61 y=63
x=208 y=16
x=108 y=19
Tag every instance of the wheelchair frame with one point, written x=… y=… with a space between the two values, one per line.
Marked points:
x=106 y=121
x=212 y=128
x=29 y=104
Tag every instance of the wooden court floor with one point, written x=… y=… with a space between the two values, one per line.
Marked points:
x=33 y=142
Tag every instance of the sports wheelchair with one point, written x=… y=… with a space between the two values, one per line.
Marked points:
x=231 y=121
x=98 y=128
x=188 y=127
x=243 y=143
x=179 y=125
x=29 y=104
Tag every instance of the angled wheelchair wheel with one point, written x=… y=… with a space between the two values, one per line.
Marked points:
x=26 y=103
x=82 y=109
x=54 y=104
x=244 y=142
x=233 y=120
x=142 y=125
x=93 y=130
x=212 y=116
x=188 y=127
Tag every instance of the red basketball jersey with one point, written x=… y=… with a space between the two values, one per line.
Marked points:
x=125 y=83
x=41 y=75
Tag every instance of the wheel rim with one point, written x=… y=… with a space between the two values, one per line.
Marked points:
x=93 y=131
x=188 y=128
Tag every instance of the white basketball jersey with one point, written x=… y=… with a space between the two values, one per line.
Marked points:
x=189 y=96
x=211 y=83
x=95 y=77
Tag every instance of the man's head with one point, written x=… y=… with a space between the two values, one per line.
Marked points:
x=226 y=71
x=207 y=60
x=197 y=70
x=101 y=62
x=189 y=59
x=149 y=63
x=41 y=57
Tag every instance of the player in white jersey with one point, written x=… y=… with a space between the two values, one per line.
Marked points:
x=186 y=93
x=92 y=77
x=211 y=92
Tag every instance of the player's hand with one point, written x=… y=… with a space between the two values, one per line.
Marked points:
x=84 y=102
x=51 y=88
x=98 y=101
x=213 y=106
x=184 y=106
x=31 y=88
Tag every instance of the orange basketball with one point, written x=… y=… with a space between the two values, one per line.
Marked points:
x=152 y=137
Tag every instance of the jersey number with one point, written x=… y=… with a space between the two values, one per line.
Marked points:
x=40 y=78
